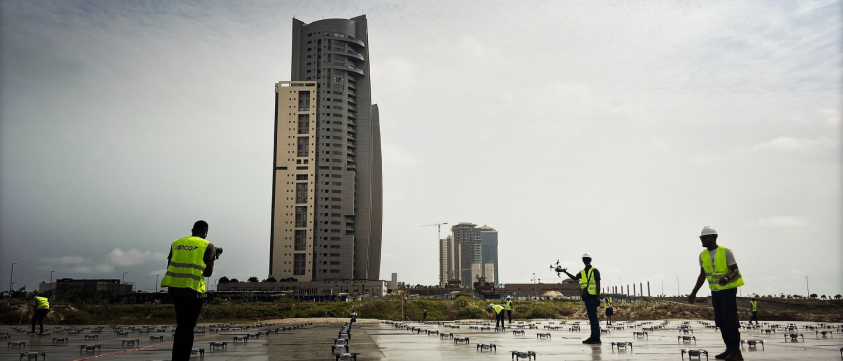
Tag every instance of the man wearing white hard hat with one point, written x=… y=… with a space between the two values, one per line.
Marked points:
x=589 y=279
x=718 y=266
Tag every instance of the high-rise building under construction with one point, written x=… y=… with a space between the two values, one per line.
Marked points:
x=327 y=206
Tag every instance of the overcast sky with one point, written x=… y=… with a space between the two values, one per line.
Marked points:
x=614 y=128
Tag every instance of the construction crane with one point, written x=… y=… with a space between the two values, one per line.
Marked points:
x=438 y=227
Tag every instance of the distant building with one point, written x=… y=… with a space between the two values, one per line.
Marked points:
x=70 y=285
x=489 y=247
x=467 y=238
x=476 y=271
x=449 y=261
x=392 y=285
x=489 y=272
x=351 y=288
x=567 y=287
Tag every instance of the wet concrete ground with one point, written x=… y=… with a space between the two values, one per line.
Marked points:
x=410 y=341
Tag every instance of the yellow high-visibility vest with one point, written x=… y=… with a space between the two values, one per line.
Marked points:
x=608 y=302
x=754 y=306
x=497 y=308
x=509 y=305
x=187 y=264
x=714 y=272
x=43 y=303
x=587 y=281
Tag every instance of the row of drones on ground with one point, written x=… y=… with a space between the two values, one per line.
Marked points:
x=790 y=332
x=94 y=333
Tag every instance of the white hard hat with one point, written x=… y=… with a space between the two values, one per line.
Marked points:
x=508 y=297
x=707 y=230
x=586 y=255
x=491 y=304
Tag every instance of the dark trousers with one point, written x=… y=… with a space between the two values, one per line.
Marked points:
x=754 y=317
x=725 y=304
x=187 y=313
x=509 y=314
x=38 y=317
x=591 y=305
x=499 y=321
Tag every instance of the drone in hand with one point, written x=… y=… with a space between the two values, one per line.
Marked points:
x=558 y=269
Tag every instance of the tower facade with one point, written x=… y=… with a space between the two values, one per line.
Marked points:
x=328 y=192
x=449 y=261
x=467 y=238
x=489 y=246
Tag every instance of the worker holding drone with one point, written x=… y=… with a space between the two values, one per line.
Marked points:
x=589 y=279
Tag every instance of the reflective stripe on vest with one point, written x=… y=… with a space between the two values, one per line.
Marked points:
x=509 y=305
x=587 y=281
x=714 y=272
x=754 y=305
x=608 y=302
x=497 y=308
x=43 y=302
x=187 y=264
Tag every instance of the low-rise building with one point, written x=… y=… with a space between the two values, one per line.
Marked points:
x=70 y=285
x=351 y=288
x=567 y=287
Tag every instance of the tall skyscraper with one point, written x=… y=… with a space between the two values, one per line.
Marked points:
x=449 y=261
x=467 y=238
x=489 y=246
x=327 y=207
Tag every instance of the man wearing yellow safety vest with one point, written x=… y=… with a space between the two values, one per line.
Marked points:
x=718 y=266
x=508 y=308
x=754 y=304
x=191 y=259
x=498 y=309
x=607 y=302
x=42 y=308
x=589 y=279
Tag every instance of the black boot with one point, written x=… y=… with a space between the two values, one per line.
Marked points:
x=724 y=354
x=736 y=355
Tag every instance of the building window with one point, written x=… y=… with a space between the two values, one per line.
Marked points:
x=304 y=101
x=300 y=240
x=301 y=192
x=301 y=216
x=303 y=143
x=304 y=123
x=299 y=264
x=301 y=176
x=338 y=80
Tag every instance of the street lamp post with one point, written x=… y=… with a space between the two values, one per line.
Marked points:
x=124 y=277
x=156 y=283
x=51 y=281
x=806 y=287
x=11 y=282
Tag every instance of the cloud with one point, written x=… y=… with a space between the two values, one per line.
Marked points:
x=158 y=272
x=795 y=145
x=830 y=116
x=778 y=221
x=133 y=257
x=103 y=268
x=64 y=260
x=394 y=155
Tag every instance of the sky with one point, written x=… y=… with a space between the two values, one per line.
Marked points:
x=614 y=128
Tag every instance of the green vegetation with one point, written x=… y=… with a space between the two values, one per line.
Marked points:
x=390 y=308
